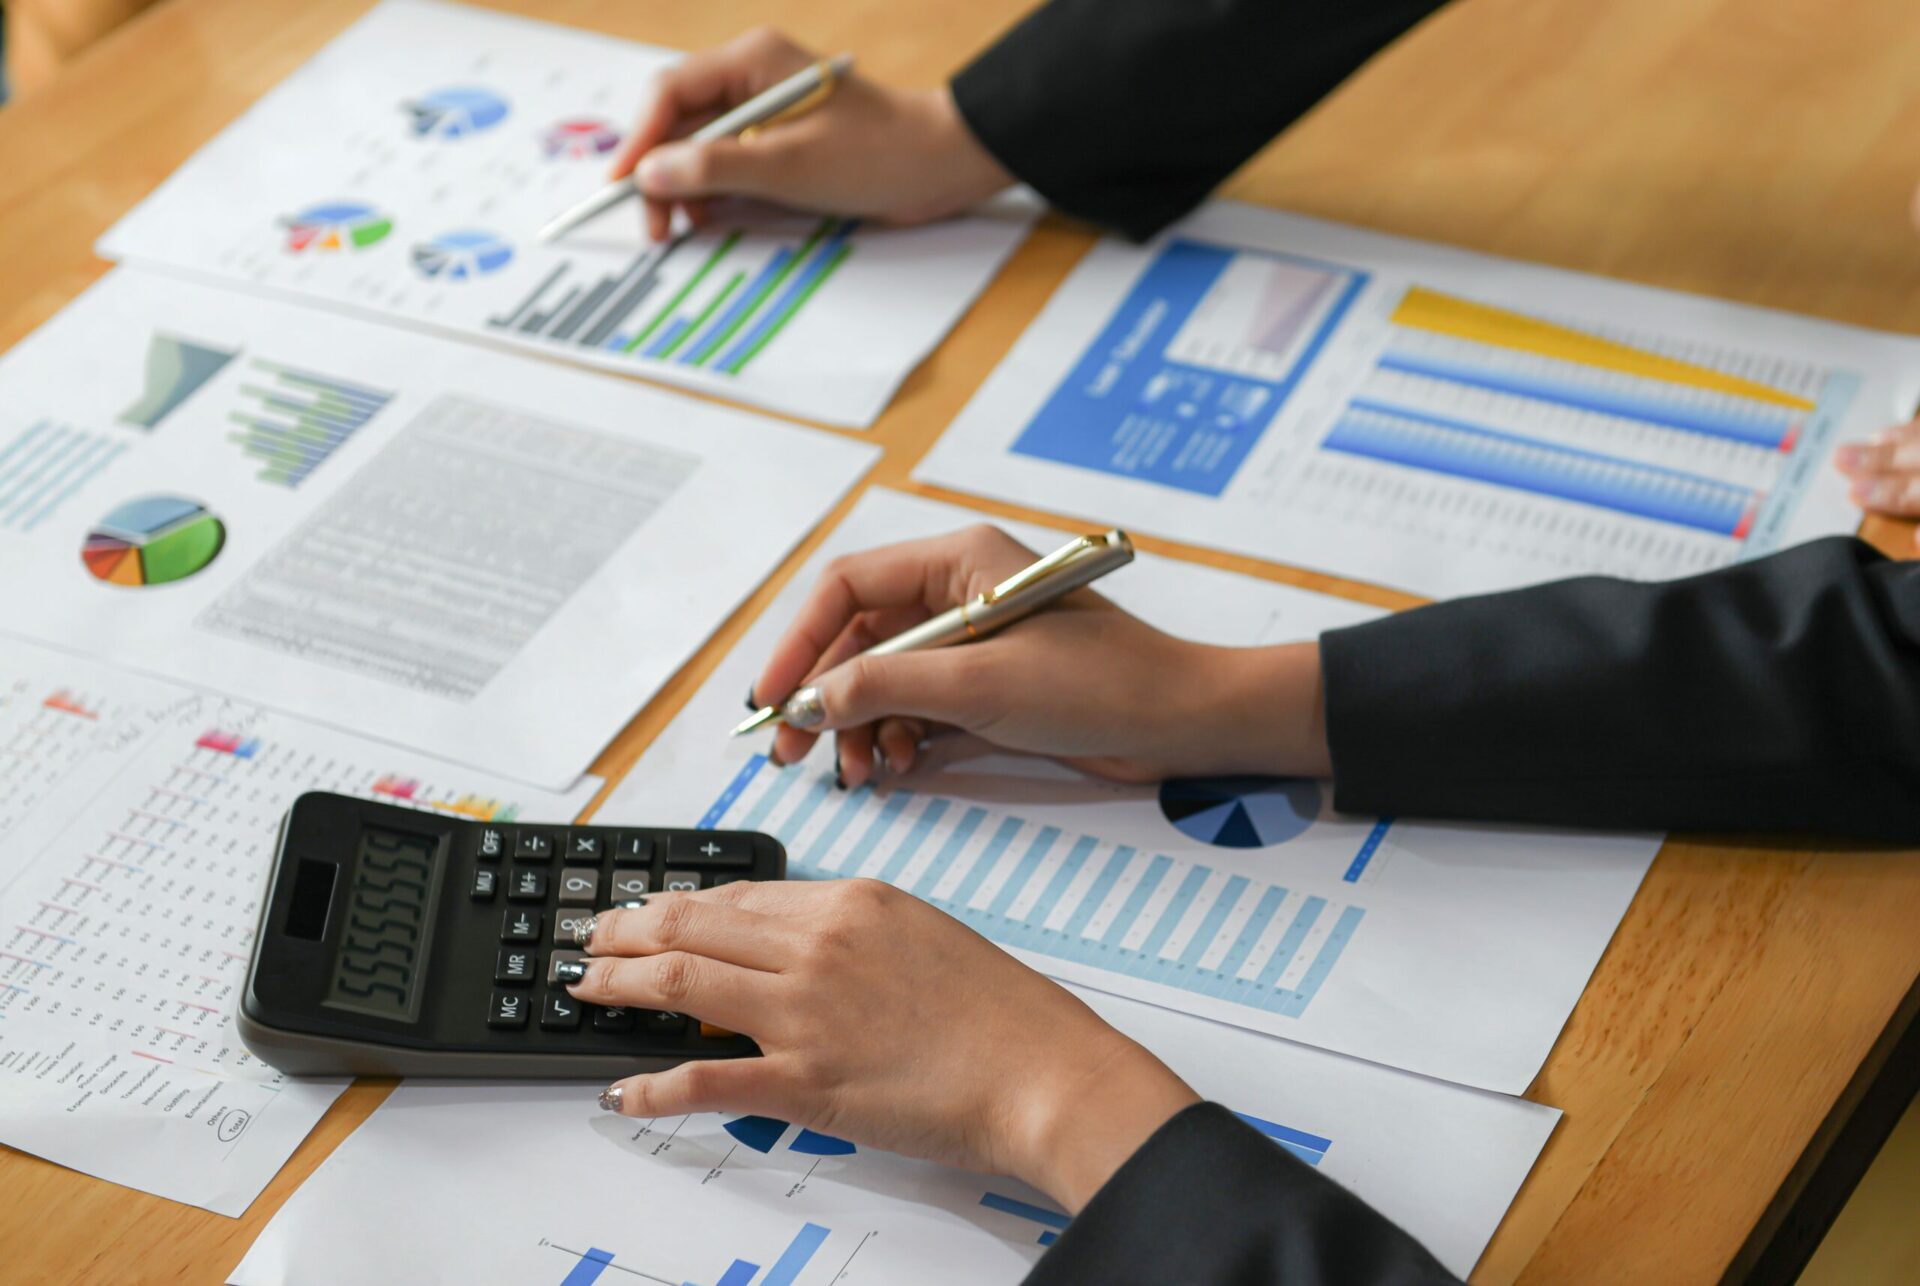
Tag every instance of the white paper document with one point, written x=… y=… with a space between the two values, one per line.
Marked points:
x=409 y=166
x=715 y=1201
x=1453 y=951
x=485 y=557
x=1418 y=416
x=137 y=822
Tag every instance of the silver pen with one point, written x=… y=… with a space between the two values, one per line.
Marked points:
x=1070 y=567
x=798 y=93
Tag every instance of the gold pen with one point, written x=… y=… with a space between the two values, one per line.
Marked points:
x=799 y=93
x=1078 y=563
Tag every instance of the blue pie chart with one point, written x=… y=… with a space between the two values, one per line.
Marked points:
x=1241 y=812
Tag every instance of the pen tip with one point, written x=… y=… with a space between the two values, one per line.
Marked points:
x=757 y=720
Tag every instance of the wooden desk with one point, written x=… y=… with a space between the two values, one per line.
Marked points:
x=1761 y=150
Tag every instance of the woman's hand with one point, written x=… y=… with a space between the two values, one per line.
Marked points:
x=1081 y=680
x=883 y=1021
x=903 y=156
x=1885 y=470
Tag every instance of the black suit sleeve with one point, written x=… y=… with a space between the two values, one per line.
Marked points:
x=1211 y=1201
x=1781 y=694
x=1128 y=112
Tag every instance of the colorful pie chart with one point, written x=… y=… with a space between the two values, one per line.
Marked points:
x=336 y=225
x=459 y=256
x=456 y=112
x=580 y=139
x=153 y=541
x=1241 y=812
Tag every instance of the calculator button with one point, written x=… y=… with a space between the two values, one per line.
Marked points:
x=490 y=842
x=633 y=848
x=516 y=964
x=661 y=1023
x=528 y=885
x=521 y=926
x=705 y=848
x=561 y=1012
x=585 y=846
x=509 y=1009
x=533 y=846
x=625 y=886
x=559 y=958
x=564 y=923
x=681 y=881
x=612 y=1018
x=485 y=879
x=579 y=887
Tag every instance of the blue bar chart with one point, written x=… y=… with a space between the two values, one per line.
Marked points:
x=797 y=1255
x=1311 y=1148
x=295 y=420
x=1078 y=898
x=1050 y=1221
x=43 y=466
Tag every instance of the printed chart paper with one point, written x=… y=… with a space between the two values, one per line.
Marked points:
x=1421 y=417
x=139 y=826
x=710 y=1199
x=408 y=168
x=492 y=559
x=1453 y=951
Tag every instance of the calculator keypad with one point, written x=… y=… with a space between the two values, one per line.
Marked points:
x=554 y=880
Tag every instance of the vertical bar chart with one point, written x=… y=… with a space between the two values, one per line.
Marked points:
x=1082 y=899
x=1051 y=1221
x=797 y=1255
x=587 y=1269
x=297 y=419
x=1310 y=1148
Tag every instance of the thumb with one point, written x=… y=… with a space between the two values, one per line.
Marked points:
x=946 y=685
x=718 y=167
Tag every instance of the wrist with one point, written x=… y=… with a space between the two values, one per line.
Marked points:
x=960 y=171
x=1264 y=711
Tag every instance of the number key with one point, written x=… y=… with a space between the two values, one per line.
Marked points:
x=681 y=881
x=508 y=1009
x=565 y=922
x=579 y=887
x=625 y=886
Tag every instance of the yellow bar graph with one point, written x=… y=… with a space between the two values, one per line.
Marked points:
x=1429 y=310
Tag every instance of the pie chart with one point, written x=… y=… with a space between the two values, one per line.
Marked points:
x=152 y=541
x=459 y=256
x=336 y=225
x=1241 y=812
x=580 y=139
x=456 y=112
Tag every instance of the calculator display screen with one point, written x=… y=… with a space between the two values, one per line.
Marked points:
x=389 y=912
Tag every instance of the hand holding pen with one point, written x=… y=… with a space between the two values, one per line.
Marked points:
x=1081 y=680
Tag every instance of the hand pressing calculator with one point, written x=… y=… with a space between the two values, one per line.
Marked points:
x=405 y=943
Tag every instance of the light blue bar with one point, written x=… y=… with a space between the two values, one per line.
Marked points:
x=666 y=337
x=922 y=826
x=40 y=462
x=1367 y=850
x=92 y=457
x=1323 y=963
x=734 y=309
x=1250 y=931
x=1216 y=916
x=1156 y=871
x=738 y=1273
x=1049 y=1237
x=1290 y=942
x=587 y=1269
x=796 y=286
x=748 y=771
x=797 y=820
x=763 y=807
x=1025 y=1210
x=876 y=830
x=1287 y=1134
x=1036 y=854
x=1765 y=426
x=976 y=874
x=24 y=440
x=798 y=1252
x=930 y=878
x=1102 y=885
x=849 y=809
x=1170 y=917
x=1061 y=878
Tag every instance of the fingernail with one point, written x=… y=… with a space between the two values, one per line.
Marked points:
x=751 y=703
x=611 y=1098
x=583 y=931
x=663 y=173
x=804 y=709
x=634 y=905
x=774 y=758
x=569 y=971
x=839 y=779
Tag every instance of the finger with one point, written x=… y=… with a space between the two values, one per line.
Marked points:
x=1897 y=448
x=853 y=757
x=716 y=930
x=899 y=742
x=738 y=999
x=709 y=1085
x=956 y=685
x=926 y=575
x=791 y=745
x=1897 y=494
x=659 y=219
x=710 y=80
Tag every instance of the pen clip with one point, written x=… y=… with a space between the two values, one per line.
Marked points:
x=829 y=81
x=1051 y=565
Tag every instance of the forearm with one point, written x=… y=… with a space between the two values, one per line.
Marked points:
x=1127 y=112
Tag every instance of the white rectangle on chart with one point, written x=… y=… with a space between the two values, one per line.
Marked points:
x=485 y=557
x=137 y=822
x=682 y=1199
x=1452 y=951
x=1419 y=416
x=407 y=168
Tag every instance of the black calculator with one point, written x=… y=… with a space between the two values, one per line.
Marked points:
x=407 y=943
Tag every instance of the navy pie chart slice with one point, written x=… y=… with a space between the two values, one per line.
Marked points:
x=1241 y=812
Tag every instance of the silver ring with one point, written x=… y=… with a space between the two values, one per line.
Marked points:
x=803 y=709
